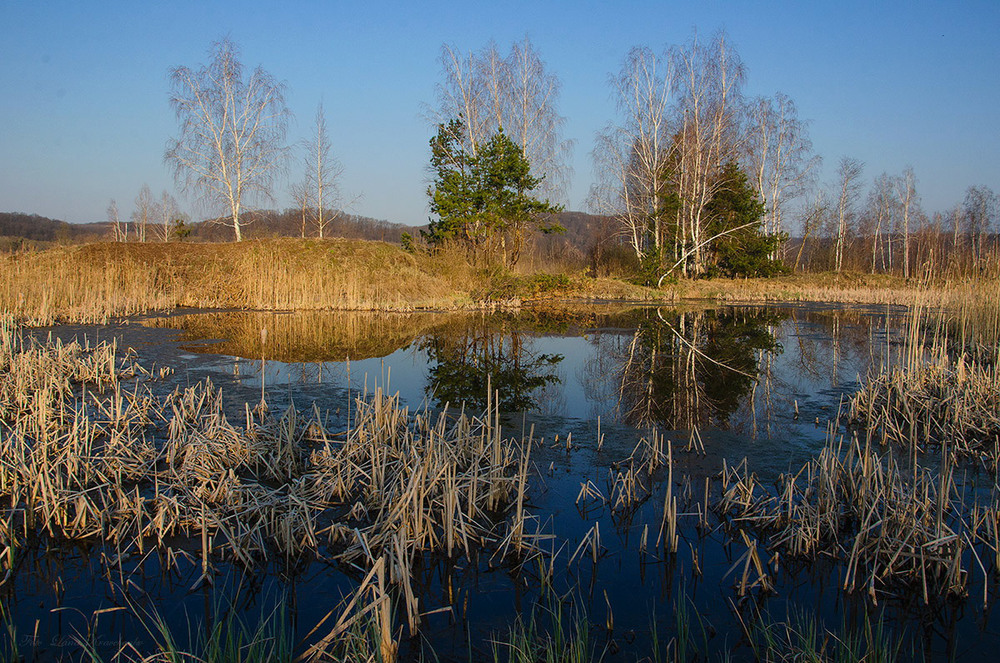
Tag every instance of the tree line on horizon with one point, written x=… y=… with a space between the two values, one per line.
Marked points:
x=22 y=230
x=694 y=176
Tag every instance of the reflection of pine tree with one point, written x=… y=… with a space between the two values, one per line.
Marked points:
x=467 y=361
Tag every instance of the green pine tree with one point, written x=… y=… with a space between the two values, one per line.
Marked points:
x=484 y=200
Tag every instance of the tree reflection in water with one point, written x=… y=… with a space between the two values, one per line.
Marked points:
x=466 y=361
x=683 y=370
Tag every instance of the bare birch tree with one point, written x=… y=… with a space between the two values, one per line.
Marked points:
x=167 y=211
x=533 y=120
x=489 y=91
x=709 y=130
x=119 y=232
x=461 y=95
x=303 y=202
x=232 y=132
x=906 y=193
x=779 y=156
x=881 y=212
x=980 y=211
x=814 y=217
x=631 y=156
x=849 y=187
x=660 y=166
x=144 y=212
x=323 y=173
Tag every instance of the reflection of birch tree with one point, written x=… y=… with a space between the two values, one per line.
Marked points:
x=689 y=369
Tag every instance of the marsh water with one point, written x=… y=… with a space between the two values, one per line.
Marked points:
x=722 y=384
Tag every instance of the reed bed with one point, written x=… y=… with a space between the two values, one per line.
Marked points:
x=947 y=402
x=892 y=529
x=943 y=389
x=88 y=453
x=94 y=283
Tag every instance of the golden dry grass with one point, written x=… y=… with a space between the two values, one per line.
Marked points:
x=96 y=282
x=825 y=287
x=892 y=528
x=943 y=388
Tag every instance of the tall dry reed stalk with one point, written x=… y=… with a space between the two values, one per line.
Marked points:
x=97 y=282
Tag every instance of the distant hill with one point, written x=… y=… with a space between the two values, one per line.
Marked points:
x=43 y=229
x=18 y=228
x=288 y=223
x=583 y=233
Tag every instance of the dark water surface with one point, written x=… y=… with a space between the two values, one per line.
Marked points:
x=722 y=384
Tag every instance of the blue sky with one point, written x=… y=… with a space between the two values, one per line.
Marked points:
x=84 y=115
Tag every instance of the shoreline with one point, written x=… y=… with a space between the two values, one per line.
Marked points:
x=97 y=283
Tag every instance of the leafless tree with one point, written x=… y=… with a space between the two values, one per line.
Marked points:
x=880 y=214
x=461 y=95
x=144 y=212
x=167 y=211
x=708 y=116
x=323 y=173
x=779 y=156
x=849 y=187
x=980 y=211
x=118 y=229
x=533 y=121
x=488 y=90
x=906 y=193
x=659 y=166
x=814 y=218
x=232 y=131
x=303 y=202
x=631 y=155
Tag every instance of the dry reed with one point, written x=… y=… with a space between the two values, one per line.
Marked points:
x=88 y=453
x=96 y=282
x=891 y=528
x=944 y=388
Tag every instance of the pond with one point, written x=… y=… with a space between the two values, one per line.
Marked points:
x=592 y=386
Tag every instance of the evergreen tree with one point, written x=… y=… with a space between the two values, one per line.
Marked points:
x=484 y=199
x=737 y=213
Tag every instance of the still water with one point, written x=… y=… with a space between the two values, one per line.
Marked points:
x=755 y=382
x=722 y=384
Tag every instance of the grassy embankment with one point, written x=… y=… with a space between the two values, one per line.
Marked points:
x=95 y=282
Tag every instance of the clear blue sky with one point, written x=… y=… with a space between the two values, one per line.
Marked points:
x=84 y=115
